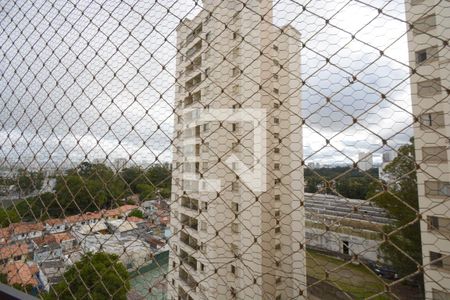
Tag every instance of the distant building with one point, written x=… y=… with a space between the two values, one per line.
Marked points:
x=365 y=161
x=344 y=226
x=388 y=157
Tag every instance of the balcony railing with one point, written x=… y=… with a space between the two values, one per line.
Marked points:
x=189 y=240
x=188 y=279
x=194 y=82
x=189 y=203
x=188 y=221
x=194 y=49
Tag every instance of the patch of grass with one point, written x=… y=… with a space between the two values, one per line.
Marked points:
x=355 y=280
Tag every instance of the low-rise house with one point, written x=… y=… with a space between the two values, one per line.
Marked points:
x=64 y=239
x=89 y=218
x=149 y=207
x=344 y=227
x=53 y=271
x=48 y=252
x=4 y=235
x=122 y=227
x=22 y=273
x=119 y=212
x=14 y=253
x=155 y=242
x=23 y=231
x=55 y=225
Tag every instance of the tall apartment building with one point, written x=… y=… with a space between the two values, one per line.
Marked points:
x=235 y=242
x=430 y=83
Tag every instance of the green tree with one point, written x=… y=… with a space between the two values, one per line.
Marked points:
x=146 y=191
x=133 y=176
x=28 y=182
x=99 y=275
x=400 y=199
x=160 y=175
x=136 y=213
x=89 y=187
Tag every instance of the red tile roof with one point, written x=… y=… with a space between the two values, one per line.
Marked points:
x=135 y=219
x=13 y=250
x=21 y=273
x=52 y=222
x=21 y=228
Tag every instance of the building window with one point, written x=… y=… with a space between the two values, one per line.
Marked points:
x=203 y=226
x=236 y=89
x=429 y=88
x=276 y=150
x=235 y=227
x=205 y=147
x=275 y=76
x=235 y=35
x=277 y=180
x=204 y=206
x=234 y=127
x=276 y=91
x=206 y=72
x=233 y=269
x=424 y=24
x=276 y=105
x=275 y=47
x=276 y=166
x=206 y=127
x=277 y=213
x=277 y=197
x=428 y=54
x=208 y=36
x=278 y=280
x=236 y=71
x=202 y=267
x=276 y=120
x=235 y=186
x=441 y=225
x=433 y=120
x=235 y=207
x=276 y=135
x=277 y=229
x=206 y=54
x=436 y=260
x=277 y=246
x=234 y=146
x=436 y=154
x=275 y=62
x=437 y=188
x=234 y=165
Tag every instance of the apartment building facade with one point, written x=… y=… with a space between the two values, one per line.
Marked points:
x=430 y=82
x=230 y=241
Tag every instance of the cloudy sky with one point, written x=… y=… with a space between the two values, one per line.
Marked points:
x=96 y=78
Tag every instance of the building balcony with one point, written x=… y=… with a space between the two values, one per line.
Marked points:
x=194 y=49
x=189 y=202
x=188 y=259
x=189 y=222
x=187 y=279
x=193 y=66
x=194 y=34
x=192 y=98
x=189 y=240
x=194 y=82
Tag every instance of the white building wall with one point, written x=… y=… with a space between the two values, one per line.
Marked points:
x=244 y=241
x=433 y=203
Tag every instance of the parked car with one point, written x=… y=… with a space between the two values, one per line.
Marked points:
x=384 y=271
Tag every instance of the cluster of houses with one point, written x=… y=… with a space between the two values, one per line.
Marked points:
x=38 y=254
